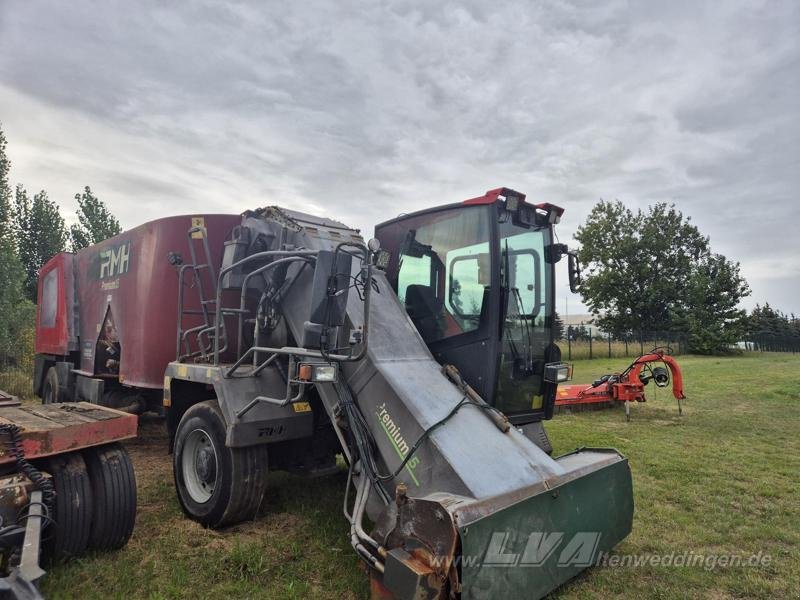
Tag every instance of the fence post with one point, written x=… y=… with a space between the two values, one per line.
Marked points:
x=569 y=342
x=609 y=344
x=641 y=342
x=626 y=345
x=590 y=344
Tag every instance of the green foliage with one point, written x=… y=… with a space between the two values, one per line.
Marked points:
x=578 y=332
x=40 y=233
x=5 y=189
x=95 y=221
x=654 y=270
x=711 y=313
x=558 y=326
x=16 y=311
x=765 y=320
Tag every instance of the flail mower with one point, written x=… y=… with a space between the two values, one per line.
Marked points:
x=625 y=387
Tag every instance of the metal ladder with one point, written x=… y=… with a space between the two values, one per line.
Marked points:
x=203 y=334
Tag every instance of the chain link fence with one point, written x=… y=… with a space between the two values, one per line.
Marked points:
x=587 y=343
x=770 y=342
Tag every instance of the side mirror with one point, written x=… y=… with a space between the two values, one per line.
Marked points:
x=574 y=272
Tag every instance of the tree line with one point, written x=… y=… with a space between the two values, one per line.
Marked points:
x=765 y=321
x=32 y=230
x=653 y=270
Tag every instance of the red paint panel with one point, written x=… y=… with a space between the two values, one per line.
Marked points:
x=76 y=437
x=53 y=434
x=130 y=275
x=492 y=195
x=55 y=294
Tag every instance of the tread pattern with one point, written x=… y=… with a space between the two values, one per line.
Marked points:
x=72 y=511
x=244 y=481
x=248 y=485
x=114 y=496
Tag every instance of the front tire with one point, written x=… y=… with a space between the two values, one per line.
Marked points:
x=216 y=485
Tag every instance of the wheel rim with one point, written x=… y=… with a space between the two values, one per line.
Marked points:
x=199 y=466
x=49 y=394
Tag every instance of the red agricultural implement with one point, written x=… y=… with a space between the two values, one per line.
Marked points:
x=625 y=387
x=66 y=486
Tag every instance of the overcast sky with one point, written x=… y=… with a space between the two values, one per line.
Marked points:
x=363 y=110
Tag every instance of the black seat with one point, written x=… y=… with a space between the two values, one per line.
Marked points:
x=426 y=311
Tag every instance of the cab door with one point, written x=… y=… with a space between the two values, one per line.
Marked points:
x=442 y=270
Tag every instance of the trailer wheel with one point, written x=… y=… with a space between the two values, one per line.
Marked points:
x=113 y=494
x=72 y=510
x=216 y=485
x=50 y=388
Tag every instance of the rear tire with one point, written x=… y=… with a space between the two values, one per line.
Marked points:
x=216 y=485
x=113 y=494
x=72 y=508
x=51 y=390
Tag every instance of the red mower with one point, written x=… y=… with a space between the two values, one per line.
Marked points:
x=625 y=387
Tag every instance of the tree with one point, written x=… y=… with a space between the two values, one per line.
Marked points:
x=558 y=326
x=578 y=333
x=40 y=233
x=710 y=313
x=16 y=311
x=654 y=270
x=5 y=189
x=769 y=327
x=95 y=221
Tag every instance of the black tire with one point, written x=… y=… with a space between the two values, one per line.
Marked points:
x=113 y=495
x=51 y=390
x=216 y=485
x=72 y=510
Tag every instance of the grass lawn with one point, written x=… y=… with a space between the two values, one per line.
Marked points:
x=723 y=478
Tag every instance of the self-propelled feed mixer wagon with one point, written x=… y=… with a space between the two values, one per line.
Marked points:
x=424 y=357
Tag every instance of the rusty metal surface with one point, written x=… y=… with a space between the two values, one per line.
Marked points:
x=15 y=491
x=55 y=428
x=422 y=541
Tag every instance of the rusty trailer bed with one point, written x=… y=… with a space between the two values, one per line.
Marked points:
x=50 y=429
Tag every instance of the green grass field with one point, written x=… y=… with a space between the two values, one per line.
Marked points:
x=723 y=478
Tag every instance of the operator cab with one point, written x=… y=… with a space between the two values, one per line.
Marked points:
x=476 y=278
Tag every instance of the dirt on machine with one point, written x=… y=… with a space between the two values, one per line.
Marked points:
x=277 y=340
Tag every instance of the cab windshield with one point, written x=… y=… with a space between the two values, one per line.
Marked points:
x=445 y=272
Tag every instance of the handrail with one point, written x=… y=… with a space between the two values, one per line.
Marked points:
x=239 y=263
